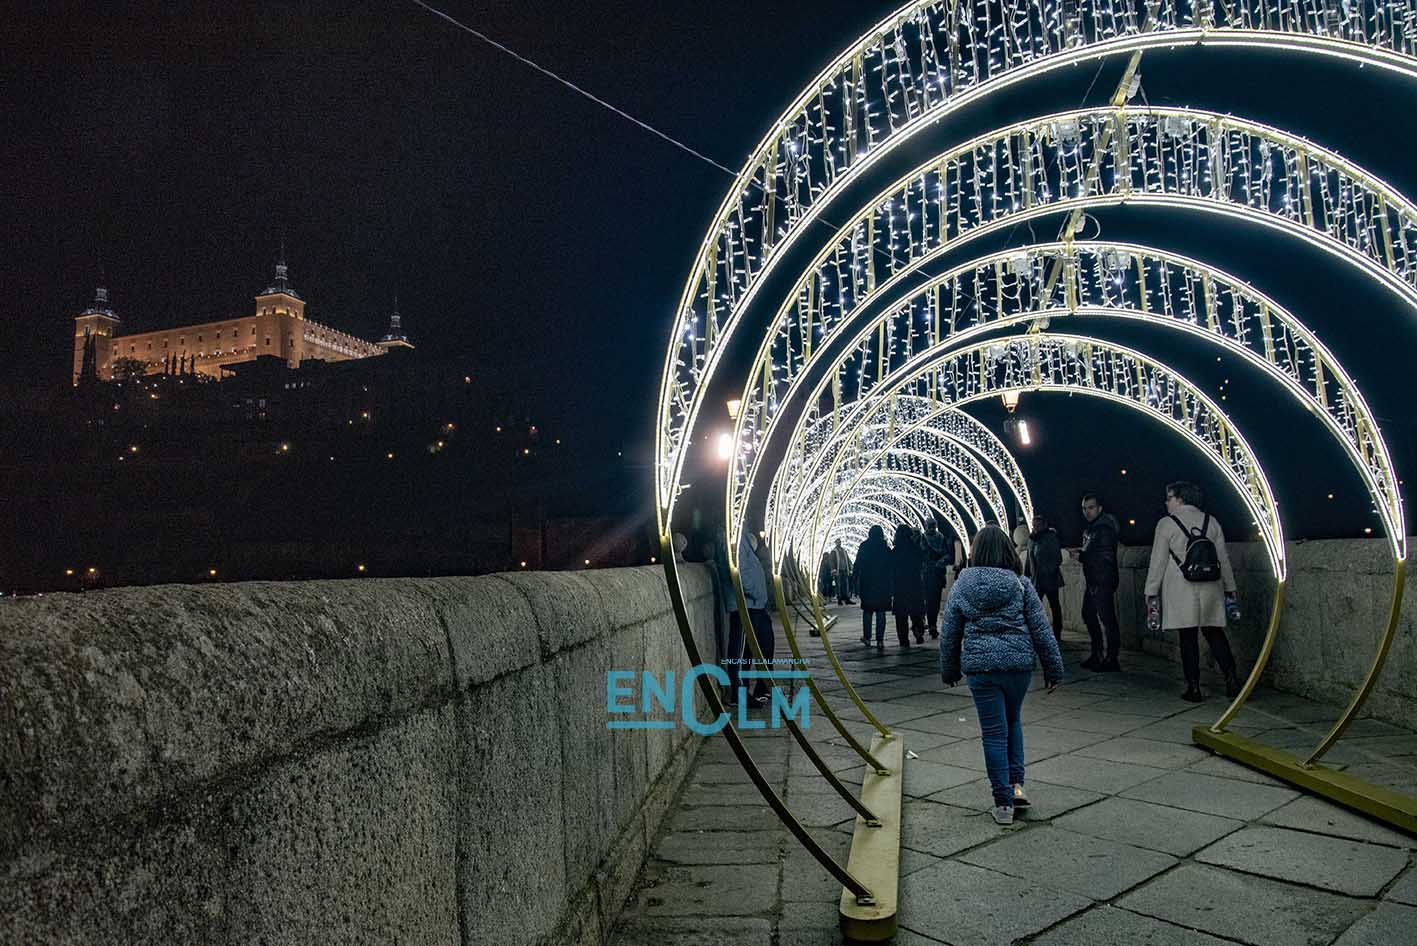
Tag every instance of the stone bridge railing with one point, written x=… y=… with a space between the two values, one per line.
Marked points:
x=1335 y=607
x=402 y=761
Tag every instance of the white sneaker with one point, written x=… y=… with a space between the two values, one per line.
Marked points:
x=1020 y=799
x=1003 y=814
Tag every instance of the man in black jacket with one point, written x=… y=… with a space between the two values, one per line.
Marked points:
x=1099 y=571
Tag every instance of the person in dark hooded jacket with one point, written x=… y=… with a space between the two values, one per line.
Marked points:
x=907 y=591
x=873 y=583
x=994 y=629
x=1099 y=572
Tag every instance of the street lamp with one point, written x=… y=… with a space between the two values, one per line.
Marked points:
x=725 y=446
x=734 y=406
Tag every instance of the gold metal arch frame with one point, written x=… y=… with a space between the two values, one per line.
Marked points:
x=920 y=489
x=909 y=72
x=1140 y=283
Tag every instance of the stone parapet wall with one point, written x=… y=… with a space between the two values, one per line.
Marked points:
x=404 y=761
x=1336 y=604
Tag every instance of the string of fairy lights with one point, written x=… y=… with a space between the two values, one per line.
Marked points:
x=930 y=58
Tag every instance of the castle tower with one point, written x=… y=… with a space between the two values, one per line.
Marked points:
x=95 y=327
x=395 y=337
x=279 y=312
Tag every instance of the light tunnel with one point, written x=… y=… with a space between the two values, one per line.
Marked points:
x=866 y=368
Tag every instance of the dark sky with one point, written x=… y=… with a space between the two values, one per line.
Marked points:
x=175 y=144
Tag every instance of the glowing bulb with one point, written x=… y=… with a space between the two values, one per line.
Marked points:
x=725 y=446
x=1023 y=436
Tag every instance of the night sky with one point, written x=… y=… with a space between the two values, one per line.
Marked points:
x=175 y=145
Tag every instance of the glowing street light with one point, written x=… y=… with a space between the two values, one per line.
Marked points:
x=725 y=446
x=734 y=406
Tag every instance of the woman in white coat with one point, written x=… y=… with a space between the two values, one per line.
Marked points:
x=1191 y=607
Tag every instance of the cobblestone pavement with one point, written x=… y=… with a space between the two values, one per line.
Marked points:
x=1135 y=836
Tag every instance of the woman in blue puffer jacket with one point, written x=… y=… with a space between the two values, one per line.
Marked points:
x=994 y=626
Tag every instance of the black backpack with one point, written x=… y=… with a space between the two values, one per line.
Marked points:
x=1201 y=562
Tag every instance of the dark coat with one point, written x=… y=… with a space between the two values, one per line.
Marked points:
x=906 y=587
x=1045 y=559
x=1099 y=552
x=873 y=572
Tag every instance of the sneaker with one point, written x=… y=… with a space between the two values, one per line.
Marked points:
x=880 y=648
x=1020 y=799
x=1232 y=685
x=1193 y=694
x=934 y=634
x=866 y=641
x=1003 y=814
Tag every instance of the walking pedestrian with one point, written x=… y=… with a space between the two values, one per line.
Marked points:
x=1045 y=567
x=755 y=595
x=994 y=628
x=936 y=554
x=1190 y=586
x=873 y=578
x=906 y=590
x=841 y=573
x=1098 y=555
x=1020 y=537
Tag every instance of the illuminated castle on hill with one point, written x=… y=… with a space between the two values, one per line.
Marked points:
x=277 y=328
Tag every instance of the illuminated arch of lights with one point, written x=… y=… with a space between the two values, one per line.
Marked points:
x=1172 y=157
x=938 y=490
x=961 y=483
x=947 y=430
x=1087 y=281
x=909 y=72
x=897 y=389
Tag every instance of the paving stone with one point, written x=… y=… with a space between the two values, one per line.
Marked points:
x=943 y=830
x=714 y=891
x=820 y=810
x=920 y=742
x=1090 y=720
x=703 y=931
x=978 y=907
x=1225 y=768
x=912 y=860
x=1049 y=801
x=720 y=847
x=1241 y=907
x=1171 y=730
x=1045 y=741
x=1395 y=775
x=1388 y=925
x=1391 y=746
x=961 y=725
x=727 y=772
x=728 y=794
x=1405 y=890
x=1348 y=867
x=1109 y=926
x=1162 y=755
x=925 y=778
x=1216 y=796
x=1156 y=705
x=743 y=818
x=1096 y=775
x=1157 y=827
x=803 y=879
x=1308 y=813
x=1076 y=863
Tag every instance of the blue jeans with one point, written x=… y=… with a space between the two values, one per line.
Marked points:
x=998 y=698
x=866 y=626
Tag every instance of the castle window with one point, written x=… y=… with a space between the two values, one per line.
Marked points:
x=253 y=330
x=199 y=338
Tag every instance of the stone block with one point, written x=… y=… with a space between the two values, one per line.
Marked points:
x=1308 y=813
x=1094 y=775
x=120 y=698
x=705 y=931
x=1108 y=926
x=1247 y=909
x=1075 y=863
x=1387 y=925
x=944 y=830
x=1158 y=827
x=1225 y=797
x=715 y=891
x=353 y=844
x=632 y=595
x=1337 y=864
x=513 y=810
x=977 y=907
x=567 y=606
x=1049 y=801
x=1163 y=755
x=489 y=623
x=588 y=783
x=160 y=884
